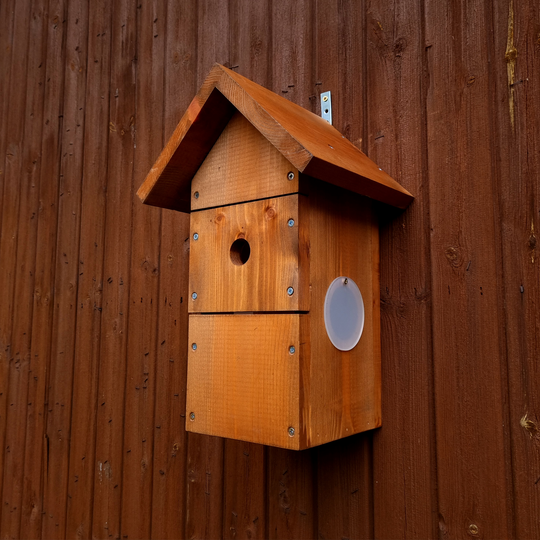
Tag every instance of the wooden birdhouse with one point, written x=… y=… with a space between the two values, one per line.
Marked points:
x=284 y=324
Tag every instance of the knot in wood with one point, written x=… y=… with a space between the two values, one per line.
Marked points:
x=270 y=213
x=511 y=54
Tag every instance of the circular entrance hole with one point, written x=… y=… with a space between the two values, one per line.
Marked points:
x=240 y=252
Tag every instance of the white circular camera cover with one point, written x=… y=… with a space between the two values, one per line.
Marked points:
x=344 y=313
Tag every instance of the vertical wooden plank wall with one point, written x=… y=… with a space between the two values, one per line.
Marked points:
x=93 y=285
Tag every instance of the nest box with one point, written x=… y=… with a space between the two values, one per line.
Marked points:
x=284 y=324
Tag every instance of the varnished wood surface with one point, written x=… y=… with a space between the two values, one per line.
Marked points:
x=276 y=262
x=310 y=143
x=242 y=166
x=443 y=98
x=242 y=379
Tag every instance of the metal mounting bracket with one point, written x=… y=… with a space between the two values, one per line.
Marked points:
x=326 y=106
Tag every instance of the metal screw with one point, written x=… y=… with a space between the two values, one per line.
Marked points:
x=325 y=98
x=196 y=236
x=194 y=346
x=292 y=350
x=346 y=281
x=290 y=291
x=196 y=194
x=473 y=529
x=290 y=222
x=194 y=296
x=291 y=431
x=290 y=176
x=192 y=416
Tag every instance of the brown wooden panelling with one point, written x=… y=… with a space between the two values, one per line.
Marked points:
x=11 y=371
x=25 y=264
x=468 y=340
x=59 y=391
x=397 y=142
x=170 y=439
x=37 y=444
x=443 y=97
x=17 y=248
x=516 y=122
x=107 y=459
x=90 y=275
x=142 y=346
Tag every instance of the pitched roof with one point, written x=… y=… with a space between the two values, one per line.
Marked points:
x=310 y=143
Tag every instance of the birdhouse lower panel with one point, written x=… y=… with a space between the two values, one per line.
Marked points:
x=250 y=257
x=244 y=377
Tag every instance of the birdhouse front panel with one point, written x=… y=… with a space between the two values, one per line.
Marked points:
x=250 y=257
x=241 y=166
x=244 y=377
x=284 y=317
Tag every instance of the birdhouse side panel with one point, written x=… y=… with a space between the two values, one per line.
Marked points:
x=243 y=377
x=249 y=257
x=342 y=389
x=241 y=166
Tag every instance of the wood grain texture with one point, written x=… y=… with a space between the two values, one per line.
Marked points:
x=341 y=68
x=107 y=459
x=170 y=440
x=278 y=258
x=204 y=487
x=20 y=370
x=6 y=45
x=204 y=509
x=443 y=97
x=80 y=483
x=139 y=426
x=396 y=54
x=292 y=494
x=242 y=166
x=515 y=122
x=246 y=495
x=310 y=143
x=17 y=250
x=60 y=377
x=37 y=444
x=243 y=383
x=342 y=388
x=343 y=483
x=244 y=504
x=468 y=343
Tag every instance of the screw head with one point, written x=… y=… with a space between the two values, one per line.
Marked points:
x=194 y=296
x=290 y=291
x=196 y=194
x=345 y=281
x=290 y=176
x=292 y=350
x=196 y=236
x=194 y=346
x=192 y=416
x=290 y=223
x=325 y=98
x=290 y=430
